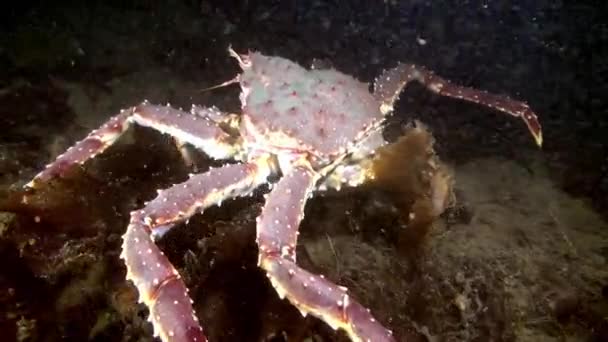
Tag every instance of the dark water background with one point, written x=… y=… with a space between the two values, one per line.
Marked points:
x=529 y=257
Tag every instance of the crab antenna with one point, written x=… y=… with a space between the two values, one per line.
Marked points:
x=235 y=79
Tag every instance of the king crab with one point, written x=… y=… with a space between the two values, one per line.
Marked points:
x=315 y=128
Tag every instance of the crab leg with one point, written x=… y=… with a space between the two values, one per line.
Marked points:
x=310 y=293
x=160 y=286
x=391 y=82
x=185 y=127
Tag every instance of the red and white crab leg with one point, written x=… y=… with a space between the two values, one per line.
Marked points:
x=391 y=82
x=160 y=286
x=192 y=128
x=277 y=231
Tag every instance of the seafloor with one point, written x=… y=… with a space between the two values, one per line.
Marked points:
x=520 y=256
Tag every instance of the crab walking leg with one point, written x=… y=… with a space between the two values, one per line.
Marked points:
x=160 y=286
x=310 y=293
x=391 y=82
x=185 y=127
